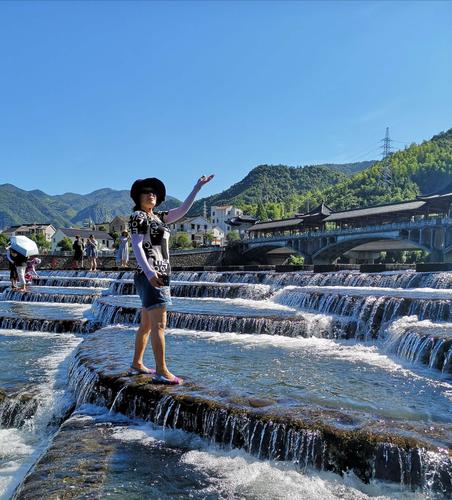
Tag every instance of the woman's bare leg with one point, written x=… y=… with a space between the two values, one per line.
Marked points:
x=158 y=325
x=141 y=340
x=154 y=323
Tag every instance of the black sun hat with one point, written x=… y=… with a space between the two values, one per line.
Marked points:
x=144 y=185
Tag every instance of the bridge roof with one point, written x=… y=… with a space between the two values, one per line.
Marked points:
x=378 y=210
x=319 y=211
x=277 y=224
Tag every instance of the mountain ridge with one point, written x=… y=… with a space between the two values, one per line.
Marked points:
x=103 y=204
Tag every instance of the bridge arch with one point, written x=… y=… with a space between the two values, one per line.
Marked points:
x=270 y=251
x=333 y=251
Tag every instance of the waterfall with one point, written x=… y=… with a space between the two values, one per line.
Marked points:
x=36 y=296
x=16 y=409
x=371 y=311
x=421 y=342
x=48 y=325
x=392 y=279
x=59 y=281
x=267 y=436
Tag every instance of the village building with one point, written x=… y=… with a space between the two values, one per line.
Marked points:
x=46 y=230
x=220 y=214
x=197 y=229
x=119 y=224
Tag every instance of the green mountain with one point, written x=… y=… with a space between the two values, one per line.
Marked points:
x=18 y=206
x=272 y=191
x=268 y=191
x=418 y=169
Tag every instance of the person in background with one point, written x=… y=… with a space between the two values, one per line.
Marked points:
x=13 y=276
x=78 y=252
x=30 y=270
x=91 y=252
x=122 y=254
x=19 y=262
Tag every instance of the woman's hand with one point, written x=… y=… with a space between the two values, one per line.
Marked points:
x=156 y=280
x=204 y=179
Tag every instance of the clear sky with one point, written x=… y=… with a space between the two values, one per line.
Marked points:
x=97 y=94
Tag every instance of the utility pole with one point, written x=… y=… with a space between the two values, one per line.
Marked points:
x=204 y=212
x=386 y=154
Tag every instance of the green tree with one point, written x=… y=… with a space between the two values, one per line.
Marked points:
x=41 y=241
x=233 y=235
x=65 y=244
x=296 y=260
x=4 y=240
x=209 y=237
x=181 y=240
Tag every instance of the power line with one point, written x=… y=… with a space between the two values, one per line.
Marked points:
x=355 y=157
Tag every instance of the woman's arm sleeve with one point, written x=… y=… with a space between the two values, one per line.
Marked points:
x=177 y=213
x=137 y=245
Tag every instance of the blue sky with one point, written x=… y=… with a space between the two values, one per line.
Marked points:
x=97 y=94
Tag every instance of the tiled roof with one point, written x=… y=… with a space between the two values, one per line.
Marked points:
x=85 y=233
x=376 y=210
x=275 y=224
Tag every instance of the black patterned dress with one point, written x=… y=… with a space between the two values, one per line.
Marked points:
x=155 y=239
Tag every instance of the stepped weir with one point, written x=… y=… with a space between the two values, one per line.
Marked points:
x=316 y=375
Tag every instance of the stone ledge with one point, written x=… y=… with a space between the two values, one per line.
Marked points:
x=310 y=436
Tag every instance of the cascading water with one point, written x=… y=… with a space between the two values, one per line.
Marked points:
x=308 y=362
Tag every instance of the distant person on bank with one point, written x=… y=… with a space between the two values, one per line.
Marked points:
x=122 y=254
x=17 y=269
x=78 y=252
x=13 y=276
x=150 y=242
x=91 y=252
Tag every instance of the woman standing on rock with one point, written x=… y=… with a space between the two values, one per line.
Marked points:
x=91 y=252
x=122 y=255
x=150 y=242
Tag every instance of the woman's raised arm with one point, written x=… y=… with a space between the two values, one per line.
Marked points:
x=176 y=214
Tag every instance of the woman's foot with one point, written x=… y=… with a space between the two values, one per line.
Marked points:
x=169 y=376
x=139 y=367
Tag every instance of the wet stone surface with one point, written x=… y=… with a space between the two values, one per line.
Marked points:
x=97 y=454
x=279 y=428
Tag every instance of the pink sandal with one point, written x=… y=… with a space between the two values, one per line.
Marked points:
x=160 y=379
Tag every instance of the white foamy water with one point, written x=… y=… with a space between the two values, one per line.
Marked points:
x=236 y=474
x=350 y=351
x=367 y=377
x=413 y=293
x=21 y=447
x=44 y=310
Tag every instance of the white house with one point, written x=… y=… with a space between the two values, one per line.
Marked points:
x=31 y=229
x=220 y=214
x=197 y=228
x=104 y=240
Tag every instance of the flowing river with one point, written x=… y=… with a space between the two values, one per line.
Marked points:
x=297 y=385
